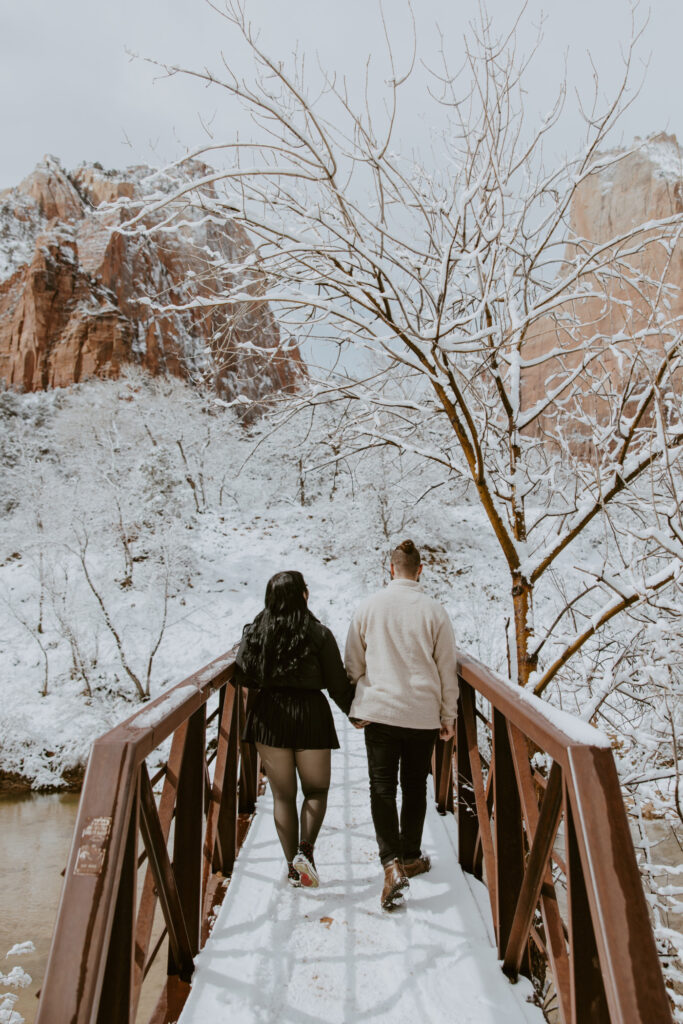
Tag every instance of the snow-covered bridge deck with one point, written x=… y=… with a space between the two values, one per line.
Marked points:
x=278 y=954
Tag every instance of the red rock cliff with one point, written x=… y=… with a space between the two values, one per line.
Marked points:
x=645 y=185
x=72 y=290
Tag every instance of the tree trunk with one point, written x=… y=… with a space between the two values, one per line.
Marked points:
x=522 y=603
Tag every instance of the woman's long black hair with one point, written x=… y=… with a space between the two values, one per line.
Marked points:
x=277 y=639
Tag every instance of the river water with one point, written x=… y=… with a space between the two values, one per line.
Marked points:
x=35 y=838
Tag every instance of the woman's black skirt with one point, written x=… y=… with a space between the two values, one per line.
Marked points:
x=290 y=717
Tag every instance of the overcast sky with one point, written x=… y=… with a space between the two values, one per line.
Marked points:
x=69 y=87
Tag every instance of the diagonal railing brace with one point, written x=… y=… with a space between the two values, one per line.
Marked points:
x=164 y=878
x=537 y=863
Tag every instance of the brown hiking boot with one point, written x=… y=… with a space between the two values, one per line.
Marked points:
x=418 y=866
x=395 y=882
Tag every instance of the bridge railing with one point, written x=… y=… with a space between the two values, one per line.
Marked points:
x=188 y=839
x=541 y=820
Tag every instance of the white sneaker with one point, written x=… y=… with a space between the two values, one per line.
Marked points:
x=305 y=865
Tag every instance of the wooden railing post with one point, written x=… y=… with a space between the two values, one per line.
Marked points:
x=248 y=764
x=226 y=832
x=466 y=805
x=509 y=837
x=586 y=989
x=622 y=932
x=116 y=996
x=442 y=770
x=188 y=835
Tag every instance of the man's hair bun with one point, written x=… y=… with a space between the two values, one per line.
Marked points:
x=406 y=556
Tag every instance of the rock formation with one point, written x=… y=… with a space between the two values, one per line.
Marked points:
x=645 y=185
x=73 y=289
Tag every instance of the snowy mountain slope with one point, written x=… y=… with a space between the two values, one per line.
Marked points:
x=147 y=498
x=96 y=484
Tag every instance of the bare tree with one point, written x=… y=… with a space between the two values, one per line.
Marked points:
x=62 y=590
x=452 y=278
x=142 y=687
x=35 y=631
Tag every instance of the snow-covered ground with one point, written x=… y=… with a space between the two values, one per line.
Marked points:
x=81 y=464
x=143 y=496
x=279 y=955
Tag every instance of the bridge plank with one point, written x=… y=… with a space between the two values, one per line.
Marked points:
x=225 y=846
x=527 y=712
x=587 y=991
x=171 y=1001
x=83 y=928
x=442 y=772
x=248 y=787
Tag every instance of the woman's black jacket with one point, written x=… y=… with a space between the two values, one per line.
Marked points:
x=321 y=668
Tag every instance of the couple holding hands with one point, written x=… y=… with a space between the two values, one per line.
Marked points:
x=398 y=684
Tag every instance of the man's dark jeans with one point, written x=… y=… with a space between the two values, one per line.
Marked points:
x=393 y=749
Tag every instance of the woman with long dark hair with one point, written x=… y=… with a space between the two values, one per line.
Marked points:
x=290 y=657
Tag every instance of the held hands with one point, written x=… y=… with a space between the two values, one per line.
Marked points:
x=358 y=723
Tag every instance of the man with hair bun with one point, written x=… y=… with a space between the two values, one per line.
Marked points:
x=400 y=653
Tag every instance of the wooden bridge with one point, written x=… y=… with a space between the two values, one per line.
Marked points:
x=539 y=819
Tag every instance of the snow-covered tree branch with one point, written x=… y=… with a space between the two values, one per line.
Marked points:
x=494 y=338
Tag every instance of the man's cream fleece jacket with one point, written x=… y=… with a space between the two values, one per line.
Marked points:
x=400 y=653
